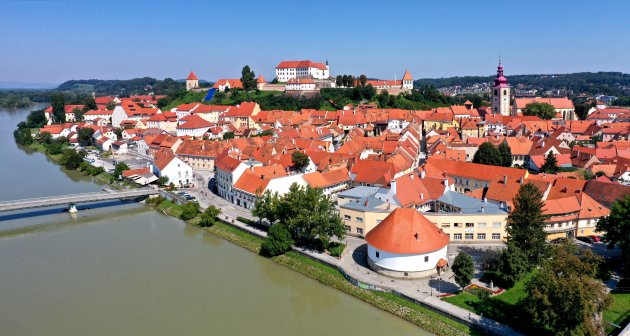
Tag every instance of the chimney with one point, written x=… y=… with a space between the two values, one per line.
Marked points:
x=446 y=183
x=485 y=200
x=392 y=188
x=262 y=177
x=412 y=175
x=423 y=174
x=417 y=236
x=422 y=196
x=504 y=179
x=520 y=181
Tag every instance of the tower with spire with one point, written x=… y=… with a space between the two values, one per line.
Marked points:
x=501 y=93
x=407 y=81
x=192 y=82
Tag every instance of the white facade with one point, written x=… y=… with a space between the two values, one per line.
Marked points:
x=178 y=172
x=501 y=100
x=406 y=262
x=284 y=74
x=225 y=180
x=195 y=132
x=300 y=85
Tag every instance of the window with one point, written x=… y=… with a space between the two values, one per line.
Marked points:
x=470 y=225
x=469 y=236
x=446 y=225
x=457 y=225
x=496 y=236
x=496 y=224
x=378 y=255
x=348 y=228
x=347 y=217
x=481 y=236
x=457 y=236
x=359 y=219
x=426 y=258
x=360 y=231
x=481 y=225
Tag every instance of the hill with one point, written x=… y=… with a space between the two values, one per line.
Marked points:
x=133 y=86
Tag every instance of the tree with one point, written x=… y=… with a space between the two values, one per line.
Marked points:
x=542 y=110
x=58 y=106
x=248 y=78
x=78 y=113
x=71 y=159
x=23 y=136
x=267 y=207
x=190 y=210
x=278 y=241
x=363 y=80
x=487 y=154
x=119 y=133
x=464 y=269
x=616 y=228
x=162 y=180
x=89 y=104
x=344 y=80
x=581 y=110
x=299 y=160
x=564 y=296
x=228 y=135
x=551 y=164
x=56 y=146
x=111 y=105
x=506 y=154
x=84 y=136
x=120 y=167
x=209 y=216
x=513 y=264
x=339 y=81
x=526 y=225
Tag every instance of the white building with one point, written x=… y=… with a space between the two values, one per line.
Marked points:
x=176 y=170
x=300 y=84
x=227 y=171
x=192 y=82
x=407 y=245
x=193 y=125
x=129 y=110
x=301 y=69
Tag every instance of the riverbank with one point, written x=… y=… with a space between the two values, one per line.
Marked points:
x=330 y=276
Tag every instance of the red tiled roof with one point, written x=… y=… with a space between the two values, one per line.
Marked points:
x=406 y=231
x=192 y=76
x=326 y=179
x=300 y=64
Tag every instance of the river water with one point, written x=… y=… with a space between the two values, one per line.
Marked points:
x=129 y=270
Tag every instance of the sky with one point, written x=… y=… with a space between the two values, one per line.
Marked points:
x=51 y=41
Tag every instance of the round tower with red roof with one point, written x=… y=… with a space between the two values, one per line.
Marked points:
x=407 y=81
x=501 y=94
x=192 y=82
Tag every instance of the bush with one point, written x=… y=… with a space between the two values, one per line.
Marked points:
x=336 y=249
x=190 y=210
x=278 y=241
x=245 y=220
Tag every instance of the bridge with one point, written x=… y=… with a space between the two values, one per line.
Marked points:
x=73 y=199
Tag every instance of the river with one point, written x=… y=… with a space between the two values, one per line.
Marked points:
x=129 y=270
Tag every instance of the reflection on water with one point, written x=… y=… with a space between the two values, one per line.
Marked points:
x=129 y=270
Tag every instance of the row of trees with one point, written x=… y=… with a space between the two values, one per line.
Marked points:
x=495 y=156
x=306 y=213
x=350 y=81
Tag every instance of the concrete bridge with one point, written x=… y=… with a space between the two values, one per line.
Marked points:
x=73 y=199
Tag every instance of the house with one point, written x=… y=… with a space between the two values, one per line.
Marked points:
x=130 y=110
x=242 y=116
x=258 y=179
x=406 y=245
x=563 y=106
x=166 y=121
x=393 y=86
x=287 y=70
x=300 y=84
x=192 y=82
x=228 y=170
x=168 y=165
x=227 y=84
x=93 y=115
x=193 y=125
x=331 y=182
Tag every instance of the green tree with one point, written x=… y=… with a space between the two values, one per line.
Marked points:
x=209 y=216
x=487 y=154
x=120 y=167
x=23 y=136
x=58 y=106
x=278 y=241
x=267 y=207
x=89 y=104
x=78 y=114
x=551 y=164
x=111 y=105
x=71 y=159
x=162 y=180
x=526 y=225
x=339 y=81
x=119 y=133
x=463 y=269
x=190 y=210
x=564 y=296
x=299 y=160
x=45 y=138
x=506 y=154
x=542 y=110
x=581 y=110
x=228 y=135
x=248 y=78
x=363 y=80
x=513 y=264
x=616 y=228
x=57 y=145
x=84 y=136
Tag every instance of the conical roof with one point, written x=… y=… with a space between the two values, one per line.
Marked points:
x=407 y=75
x=192 y=76
x=406 y=231
x=261 y=79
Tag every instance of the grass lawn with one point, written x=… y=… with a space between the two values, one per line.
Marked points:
x=619 y=311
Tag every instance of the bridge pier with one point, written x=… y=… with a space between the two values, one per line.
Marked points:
x=72 y=208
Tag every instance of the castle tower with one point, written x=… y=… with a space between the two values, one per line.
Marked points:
x=501 y=94
x=192 y=82
x=260 y=82
x=407 y=81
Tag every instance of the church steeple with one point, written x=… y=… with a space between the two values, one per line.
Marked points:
x=501 y=95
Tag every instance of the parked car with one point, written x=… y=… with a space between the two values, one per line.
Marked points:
x=595 y=238
x=190 y=198
x=585 y=239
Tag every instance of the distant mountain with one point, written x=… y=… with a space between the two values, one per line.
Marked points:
x=25 y=85
x=610 y=83
x=133 y=86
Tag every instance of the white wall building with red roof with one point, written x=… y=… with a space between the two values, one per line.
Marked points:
x=287 y=70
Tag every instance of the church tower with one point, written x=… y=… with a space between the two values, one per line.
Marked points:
x=407 y=81
x=192 y=82
x=501 y=94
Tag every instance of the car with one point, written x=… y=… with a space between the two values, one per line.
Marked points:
x=595 y=238
x=559 y=240
x=585 y=239
x=190 y=198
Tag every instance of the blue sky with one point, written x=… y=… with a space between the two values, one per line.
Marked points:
x=53 y=41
